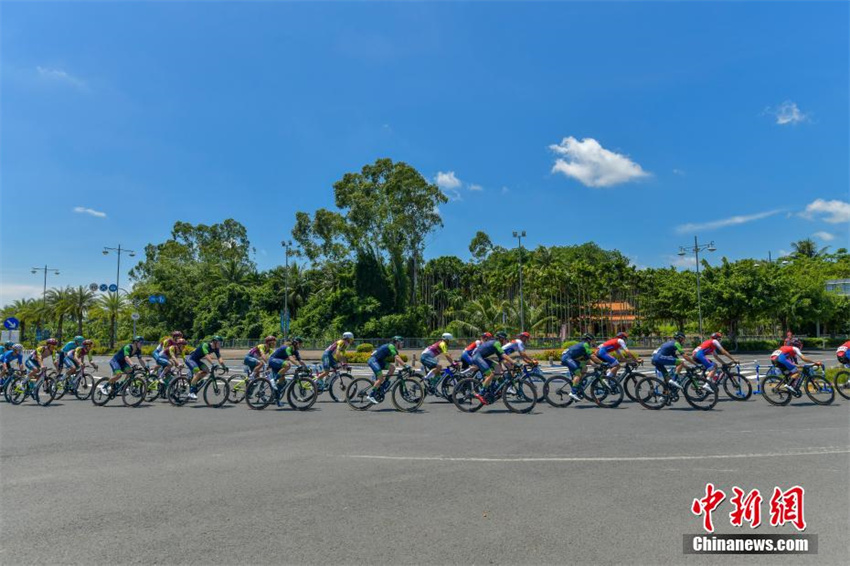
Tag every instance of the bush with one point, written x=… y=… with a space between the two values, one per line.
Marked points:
x=832 y=372
x=568 y=343
x=546 y=355
x=363 y=357
x=365 y=347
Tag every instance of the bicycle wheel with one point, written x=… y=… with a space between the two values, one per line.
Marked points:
x=337 y=386
x=302 y=393
x=259 y=393
x=178 y=391
x=83 y=386
x=699 y=394
x=773 y=392
x=819 y=389
x=737 y=387
x=629 y=384
x=16 y=390
x=61 y=386
x=651 y=393
x=408 y=394
x=357 y=393
x=606 y=392
x=556 y=391
x=463 y=395
x=215 y=392
x=44 y=391
x=100 y=395
x=154 y=389
x=520 y=395
x=447 y=385
x=236 y=386
x=134 y=390
x=538 y=379
x=842 y=383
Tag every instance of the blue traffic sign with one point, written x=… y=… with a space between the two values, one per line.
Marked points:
x=162 y=299
x=113 y=288
x=152 y=299
x=11 y=323
x=103 y=287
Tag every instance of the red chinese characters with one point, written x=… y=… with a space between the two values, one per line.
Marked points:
x=747 y=508
x=787 y=507
x=706 y=505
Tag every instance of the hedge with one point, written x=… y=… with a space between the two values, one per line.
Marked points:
x=365 y=347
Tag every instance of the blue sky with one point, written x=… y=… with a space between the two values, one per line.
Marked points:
x=633 y=125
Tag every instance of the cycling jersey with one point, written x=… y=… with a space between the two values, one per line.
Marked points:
x=285 y=352
x=471 y=348
x=12 y=355
x=708 y=347
x=384 y=352
x=489 y=348
x=38 y=353
x=69 y=347
x=203 y=351
x=843 y=350
x=166 y=343
x=437 y=348
x=578 y=352
x=671 y=348
x=788 y=351
x=258 y=350
x=126 y=352
x=336 y=348
x=81 y=352
x=514 y=346
x=613 y=345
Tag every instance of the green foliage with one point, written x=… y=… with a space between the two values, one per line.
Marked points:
x=365 y=347
x=568 y=344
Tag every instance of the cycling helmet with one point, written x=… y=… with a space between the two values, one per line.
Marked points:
x=447 y=336
x=177 y=334
x=297 y=340
x=52 y=342
x=270 y=339
x=398 y=339
x=88 y=342
x=717 y=336
x=8 y=344
x=181 y=342
x=487 y=336
x=17 y=347
x=524 y=335
x=502 y=334
x=78 y=339
x=622 y=335
x=347 y=336
x=679 y=336
x=797 y=343
x=588 y=337
x=217 y=338
x=139 y=339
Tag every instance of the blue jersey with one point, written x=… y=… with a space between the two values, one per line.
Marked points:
x=285 y=352
x=203 y=351
x=489 y=348
x=384 y=352
x=69 y=347
x=12 y=355
x=126 y=352
x=579 y=352
x=672 y=349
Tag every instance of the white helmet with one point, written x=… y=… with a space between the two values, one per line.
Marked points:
x=17 y=347
x=347 y=336
x=447 y=336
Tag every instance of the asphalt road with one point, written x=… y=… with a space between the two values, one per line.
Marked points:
x=166 y=485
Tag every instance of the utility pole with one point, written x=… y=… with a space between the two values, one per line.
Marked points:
x=45 y=269
x=287 y=244
x=519 y=236
x=696 y=249
x=118 y=251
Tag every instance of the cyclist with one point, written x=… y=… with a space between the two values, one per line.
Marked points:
x=335 y=354
x=163 y=353
x=482 y=359
x=843 y=354
x=258 y=356
x=201 y=359
x=671 y=353
x=468 y=352
x=785 y=358
x=386 y=357
x=15 y=352
x=36 y=357
x=6 y=347
x=429 y=356
x=518 y=345
x=120 y=362
x=610 y=350
x=575 y=359
x=65 y=358
x=78 y=357
x=713 y=347
x=282 y=359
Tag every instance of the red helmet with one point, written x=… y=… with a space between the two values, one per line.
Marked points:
x=717 y=336
x=88 y=343
x=622 y=335
x=176 y=334
x=270 y=339
x=524 y=335
x=487 y=336
x=52 y=341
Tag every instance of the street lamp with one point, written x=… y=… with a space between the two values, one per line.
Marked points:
x=287 y=245
x=519 y=236
x=45 y=269
x=119 y=250
x=696 y=249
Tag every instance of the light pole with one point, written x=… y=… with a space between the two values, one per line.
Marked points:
x=45 y=269
x=287 y=244
x=519 y=236
x=119 y=250
x=696 y=249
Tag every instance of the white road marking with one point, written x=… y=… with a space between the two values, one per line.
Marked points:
x=815 y=452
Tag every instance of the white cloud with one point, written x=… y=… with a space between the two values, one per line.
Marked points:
x=681 y=260
x=787 y=113
x=593 y=165
x=58 y=75
x=723 y=223
x=10 y=292
x=448 y=180
x=474 y=187
x=833 y=211
x=825 y=236
x=90 y=211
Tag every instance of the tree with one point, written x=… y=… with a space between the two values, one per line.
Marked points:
x=80 y=301
x=113 y=305
x=480 y=246
x=59 y=304
x=807 y=248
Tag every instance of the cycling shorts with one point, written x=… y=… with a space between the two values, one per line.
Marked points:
x=484 y=364
x=607 y=358
x=570 y=363
x=428 y=360
x=276 y=364
x=466 y=360
x=118 y=367
x=699 y=356
x=328 y=361
x=376 y=366
x=32 y=363
x=197 y=366
x=784 y=363
x=160 y=359
x=251 y=362
x=71 y=363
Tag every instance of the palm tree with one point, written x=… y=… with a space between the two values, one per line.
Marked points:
x=482 y=314
x=807 y=248
x=59 y=305
x=113 y=304
x=81 y=300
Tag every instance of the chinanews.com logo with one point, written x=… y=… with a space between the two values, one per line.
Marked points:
x=785 y=507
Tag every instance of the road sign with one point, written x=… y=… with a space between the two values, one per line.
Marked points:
x=152 y=299
x=113 y=288
x=104 y=287
x=135 y=316
x=93 y=287
x=161 y=299
x=11 y=323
